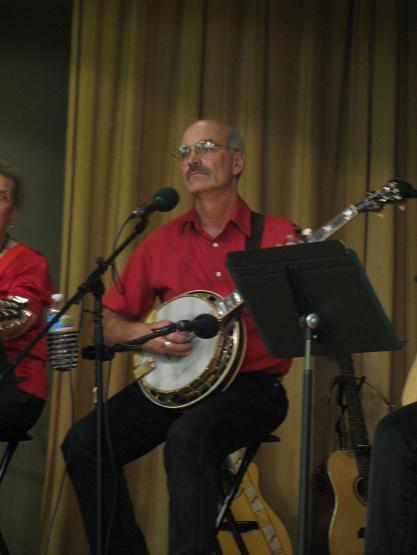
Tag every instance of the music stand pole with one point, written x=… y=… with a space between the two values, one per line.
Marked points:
x=309 y=323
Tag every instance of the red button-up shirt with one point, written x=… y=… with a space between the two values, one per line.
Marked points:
x=24 y=272
x=180 y=256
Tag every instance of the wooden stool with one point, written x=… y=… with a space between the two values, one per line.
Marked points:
x=225 y=519
x=12 y=440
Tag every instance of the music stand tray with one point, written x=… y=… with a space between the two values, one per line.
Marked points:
x=280 y=285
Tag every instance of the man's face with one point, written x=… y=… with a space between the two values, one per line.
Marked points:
x=212 y=170
x=8 y=209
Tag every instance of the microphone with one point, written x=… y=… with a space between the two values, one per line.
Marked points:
x=163 y=201
x=203 y=325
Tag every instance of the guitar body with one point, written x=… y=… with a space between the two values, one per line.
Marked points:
x=341 y=509
x=342 y=482
x=271 y=538
x=409 y=393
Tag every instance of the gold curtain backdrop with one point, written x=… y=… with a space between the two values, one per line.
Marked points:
x=324 y=92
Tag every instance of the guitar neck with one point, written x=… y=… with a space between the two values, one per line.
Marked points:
x=392 y=192
x=333 y=225
x=228 y=305
x=358 y=432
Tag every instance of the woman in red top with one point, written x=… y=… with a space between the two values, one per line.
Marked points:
x=24 y=280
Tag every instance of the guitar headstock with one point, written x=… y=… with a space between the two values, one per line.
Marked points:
x=11 y=309
x=394 y=191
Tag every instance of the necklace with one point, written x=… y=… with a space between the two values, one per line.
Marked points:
x=5 y=241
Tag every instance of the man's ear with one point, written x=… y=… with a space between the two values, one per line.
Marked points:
x=239 y=160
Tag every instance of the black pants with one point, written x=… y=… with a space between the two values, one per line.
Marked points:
x=22 y=415
x=392 y=498
x=197 y=442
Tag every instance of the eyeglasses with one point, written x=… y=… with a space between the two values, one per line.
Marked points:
x=204 y=146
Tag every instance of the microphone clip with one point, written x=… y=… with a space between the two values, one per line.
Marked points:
x=138 y=212
x=89 y=353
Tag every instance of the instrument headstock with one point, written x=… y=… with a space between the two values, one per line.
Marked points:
x=395 y=191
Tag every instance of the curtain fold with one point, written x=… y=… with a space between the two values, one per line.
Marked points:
x=324 y=94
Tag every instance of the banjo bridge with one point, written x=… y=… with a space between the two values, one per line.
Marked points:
x=144 y=367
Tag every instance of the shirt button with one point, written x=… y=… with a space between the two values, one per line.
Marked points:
x=215 y=244
x=218 y=274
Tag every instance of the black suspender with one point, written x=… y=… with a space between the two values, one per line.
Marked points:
x=257 y=227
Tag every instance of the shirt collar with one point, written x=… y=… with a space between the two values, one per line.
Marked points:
x=241 y=217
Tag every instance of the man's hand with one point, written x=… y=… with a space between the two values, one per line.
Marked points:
x=119 y=329
x=177 y=343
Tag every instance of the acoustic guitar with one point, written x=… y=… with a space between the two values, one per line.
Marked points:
x=342 y=482
x=266 y=534
x=409 y=392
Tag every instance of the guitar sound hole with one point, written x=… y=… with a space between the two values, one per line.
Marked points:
x=362 y=490
x=361 y=533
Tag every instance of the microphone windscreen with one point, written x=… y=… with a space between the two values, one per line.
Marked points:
x=166 y=199
x=207 y=326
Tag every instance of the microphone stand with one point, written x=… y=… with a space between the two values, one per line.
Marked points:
x=93 y=284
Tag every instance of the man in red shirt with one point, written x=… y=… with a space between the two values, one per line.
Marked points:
x=189 y=253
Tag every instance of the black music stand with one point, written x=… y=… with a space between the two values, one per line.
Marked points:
x=311 y=299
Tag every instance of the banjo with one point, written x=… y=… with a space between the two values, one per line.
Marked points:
x=180 y=382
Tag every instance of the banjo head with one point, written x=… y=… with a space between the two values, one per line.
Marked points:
x=179 y=382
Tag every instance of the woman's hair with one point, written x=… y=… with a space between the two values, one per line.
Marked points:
x=6 y=171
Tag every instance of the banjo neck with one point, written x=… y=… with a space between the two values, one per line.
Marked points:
x=227 y=306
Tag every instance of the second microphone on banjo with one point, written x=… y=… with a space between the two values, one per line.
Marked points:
x=203 y=325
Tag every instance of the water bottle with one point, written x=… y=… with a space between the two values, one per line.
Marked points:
x=62 y=337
